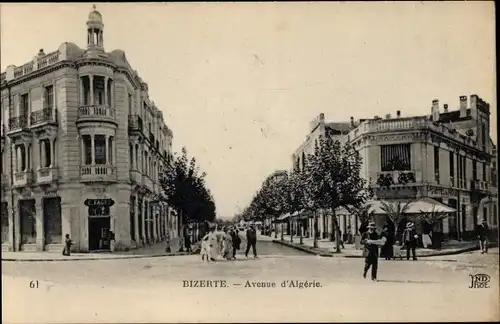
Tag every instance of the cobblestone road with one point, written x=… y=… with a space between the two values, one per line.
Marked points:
x=152 y=290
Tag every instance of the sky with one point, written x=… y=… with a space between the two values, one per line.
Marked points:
x=238 y=83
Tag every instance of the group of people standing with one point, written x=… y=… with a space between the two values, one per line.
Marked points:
x=224 y=245
x=372 y=241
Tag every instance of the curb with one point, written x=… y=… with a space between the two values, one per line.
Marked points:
x=311 y=250
x=124 y=257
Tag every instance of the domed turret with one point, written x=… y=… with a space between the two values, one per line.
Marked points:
x=95 y=29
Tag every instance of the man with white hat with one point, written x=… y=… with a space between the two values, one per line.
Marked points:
x=371 y=241
x=410 y=240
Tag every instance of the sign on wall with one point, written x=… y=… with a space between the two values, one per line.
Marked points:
x=99 y=207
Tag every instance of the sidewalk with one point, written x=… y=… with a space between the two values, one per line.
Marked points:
x=148 y=251
x=326 y=248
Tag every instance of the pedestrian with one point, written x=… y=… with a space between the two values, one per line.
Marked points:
x=67 y=246
x=227 y=245
x=371 y=242
x=235 y=238
x=112 y=241
x=213 y=244
x=251 y=241
x=187 y=242
x=387 y=250
x=483 y=232
x=205 y=248
x=341 y=241
x=410 y=240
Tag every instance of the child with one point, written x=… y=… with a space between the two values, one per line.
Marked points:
x=67 y=246
x=205 y=249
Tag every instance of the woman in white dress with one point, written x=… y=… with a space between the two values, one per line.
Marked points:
x=227 y=245
x=213 y=244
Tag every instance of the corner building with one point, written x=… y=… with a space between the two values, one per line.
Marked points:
x=82 y=150
x=447 y=156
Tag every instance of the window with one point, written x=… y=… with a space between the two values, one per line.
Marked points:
x=28 y=221
x=452 y=168
x=49 y=96
x=474 y=170
x=25 y=105
x=52 y=220
x=436 y=164
x=45 y=153
x=484 y=171
x=87 y=145
x=100 y=149
x=395 y=157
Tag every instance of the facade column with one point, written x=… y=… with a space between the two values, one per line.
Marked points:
x=106 y=94
x=155 y=227
x=42 y=153
x=26 y=161
x=82 y=150
x=82 y=91
x=52 y=143
x=91 y=77
x=145 y=221
x=106 y=150
x=15 y=154
x=92 y=148
x=40 y=235
x=136 y=222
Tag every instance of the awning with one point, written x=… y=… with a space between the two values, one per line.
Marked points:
x=424 y=205
x=303 y=214
x=283 y=217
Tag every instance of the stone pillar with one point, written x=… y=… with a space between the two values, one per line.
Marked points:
x=26 y=160
x=155 y=227
x=91 y=78
x=66 y=210
x=145 y=220
x=42 y=153
x=138 y=226
x=106 y=94
x=40 y=235
x=82 y=91
x=82 y=150
x=106 y=150
x=92 y=148
x=52 y=143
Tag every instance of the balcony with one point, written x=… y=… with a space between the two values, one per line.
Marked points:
x=98 y=173
x=396 y=178
x=43 y=117
x=147 y=182
x=383 y=125
x=17 y=124
x=135 y=123
x=136 y=177
x=46 y=175
x=478 y=185
x=96 y=113
x=23 y=178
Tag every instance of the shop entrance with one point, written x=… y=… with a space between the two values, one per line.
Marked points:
x=99 y=223
x=98 y=232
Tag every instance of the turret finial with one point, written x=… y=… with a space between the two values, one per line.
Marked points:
x=93 y=6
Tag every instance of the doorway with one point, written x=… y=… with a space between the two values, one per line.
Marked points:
x=98 y=230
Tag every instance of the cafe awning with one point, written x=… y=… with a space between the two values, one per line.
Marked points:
x=424 y=205
x=283 y=217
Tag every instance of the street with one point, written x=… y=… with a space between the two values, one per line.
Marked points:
x=151 y=289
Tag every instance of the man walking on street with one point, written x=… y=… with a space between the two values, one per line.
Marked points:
x=410 y=241
x=483 y=232
x=251 y=241
x=371 y=241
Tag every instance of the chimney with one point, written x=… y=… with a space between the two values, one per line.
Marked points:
x=473 y=102
x=352 y=121
x=398 y=113
x=435 y=110
x=40 y=52
x=445 y=108
x=463 y=106
x=388 y=116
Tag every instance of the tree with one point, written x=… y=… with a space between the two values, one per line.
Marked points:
x=185 y=191
x=364 y=214
x=396 y=213
x=334 y=180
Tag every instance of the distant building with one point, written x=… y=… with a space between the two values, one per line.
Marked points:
x=447 y=156
x=82 y=150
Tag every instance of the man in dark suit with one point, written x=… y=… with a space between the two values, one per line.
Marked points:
x=251 y=241
x=483 y=232
x=371 y=242
x=410 y=240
